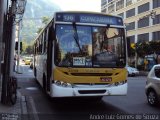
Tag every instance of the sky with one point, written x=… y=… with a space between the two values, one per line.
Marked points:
x=79 y=5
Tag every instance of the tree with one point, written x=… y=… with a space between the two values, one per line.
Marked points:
x=155 y=45
x=24 y=45
x=29 y=49
x=39 y=30
x=146 y=48
x=143 y=49
x=44 y=20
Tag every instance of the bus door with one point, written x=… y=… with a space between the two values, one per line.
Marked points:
x=49 y=58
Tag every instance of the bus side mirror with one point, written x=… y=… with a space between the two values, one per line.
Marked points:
x=128 y=47
x=157 y=72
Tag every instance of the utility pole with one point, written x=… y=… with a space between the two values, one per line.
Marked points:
x=20 y=12
x=19 y=33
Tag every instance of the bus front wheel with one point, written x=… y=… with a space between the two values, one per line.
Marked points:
x=44 y=82
x=94 y=98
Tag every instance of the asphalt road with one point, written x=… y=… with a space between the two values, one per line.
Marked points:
x=42 y=107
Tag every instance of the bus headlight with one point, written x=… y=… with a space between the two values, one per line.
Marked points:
x=58 y=83
x=62 y=84
x=116 y=84
x=120 y=83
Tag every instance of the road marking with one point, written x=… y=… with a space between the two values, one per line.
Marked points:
x=24 y=105
x=30 y=71
x=32 y=88
x=35 y=115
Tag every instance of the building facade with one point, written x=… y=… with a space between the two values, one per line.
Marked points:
x=8 y=19
x=141 y=17
x=3 y=16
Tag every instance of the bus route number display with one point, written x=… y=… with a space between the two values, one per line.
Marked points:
x=68 y=18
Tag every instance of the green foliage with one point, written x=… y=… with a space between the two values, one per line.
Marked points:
x=32 y=21
x=155 y=45
x=132 y=51
x=146 y=48
x=29 y=49
x=39 y=30
x=45 y=19
x=24 y=45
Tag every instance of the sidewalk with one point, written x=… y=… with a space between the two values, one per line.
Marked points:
x=19 y=111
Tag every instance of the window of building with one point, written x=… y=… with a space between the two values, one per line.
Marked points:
x=143 y=8
x=119 y=5
x=110 y=1
x=129 y=2
x=130 y=13
x=103 y=11
x=132 y=39
x=121 y=14
x=103 y=2
x=156 y=20
x=143 y=22
x=111 y=8
x=143 y=37
x=156 y=3
x=130 y=26
x=156 y=35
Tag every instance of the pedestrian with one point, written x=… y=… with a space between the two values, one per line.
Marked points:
x=14 y=64
x=145 y=64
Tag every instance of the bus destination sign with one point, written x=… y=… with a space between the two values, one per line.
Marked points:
x=88 y=18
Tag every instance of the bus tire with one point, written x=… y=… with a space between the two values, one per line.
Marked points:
x=35 y=72
x=97 y=99
x=94 y=98
x=44 y=82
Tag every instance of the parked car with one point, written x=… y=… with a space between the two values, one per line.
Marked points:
x=152 y=87
x=132 y=71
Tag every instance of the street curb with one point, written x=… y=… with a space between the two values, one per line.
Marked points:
x=143 y=73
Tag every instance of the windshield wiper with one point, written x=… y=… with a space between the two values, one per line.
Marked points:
x=76 y=38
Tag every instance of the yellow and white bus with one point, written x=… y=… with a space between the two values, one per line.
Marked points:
x=82 y=54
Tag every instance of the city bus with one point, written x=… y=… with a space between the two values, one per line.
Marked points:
x=82 y=54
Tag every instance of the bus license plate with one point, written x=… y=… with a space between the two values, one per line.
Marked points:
x=106 y=79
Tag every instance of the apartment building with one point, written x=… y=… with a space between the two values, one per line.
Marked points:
x=141 y=17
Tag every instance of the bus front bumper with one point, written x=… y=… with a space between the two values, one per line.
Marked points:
x=83 y=90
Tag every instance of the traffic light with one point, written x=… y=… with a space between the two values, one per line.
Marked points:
x=16 y=46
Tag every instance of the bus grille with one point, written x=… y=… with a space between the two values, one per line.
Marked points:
x=91 y=74
x=91 y=91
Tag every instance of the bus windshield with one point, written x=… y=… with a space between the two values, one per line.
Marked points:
x=96 y=46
